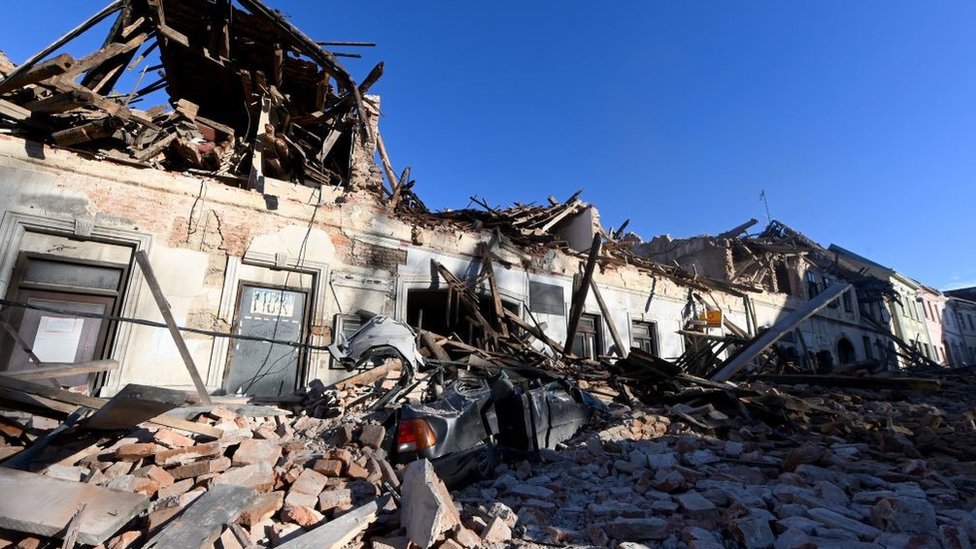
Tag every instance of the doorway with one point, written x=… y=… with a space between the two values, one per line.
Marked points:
x=53 y=288
x=845 y=351
x=262 y=368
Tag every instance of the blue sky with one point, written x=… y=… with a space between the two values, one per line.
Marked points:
x=858 y=119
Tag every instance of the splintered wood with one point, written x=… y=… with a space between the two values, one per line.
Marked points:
x=251 y=96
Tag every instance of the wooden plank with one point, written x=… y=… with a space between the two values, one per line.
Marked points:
x=133 y=405
x=579 y=297
x=50 y=503
x=337 y=533
x=778 y=330
x=618 y=343
x=60 y=369
x=12 y=111
x=38 y=394
x=201 y=523
x=143 y=260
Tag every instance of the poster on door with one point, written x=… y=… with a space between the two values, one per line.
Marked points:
x=58 y=338
x=270 y=302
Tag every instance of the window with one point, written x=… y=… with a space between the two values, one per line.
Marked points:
x=347 y=325
x=848 y=300
x=588 y=342
x=868 y=352
x=546 y=298
x=925 y=350
x=970 y=319
x=644 y=337
x=812 y=287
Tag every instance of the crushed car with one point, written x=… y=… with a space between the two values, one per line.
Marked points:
x=463 y=417
x=479 y=419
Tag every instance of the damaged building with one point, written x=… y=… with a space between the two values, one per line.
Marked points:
x=248 y=241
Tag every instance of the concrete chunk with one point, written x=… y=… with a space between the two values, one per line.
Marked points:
x=427 y=509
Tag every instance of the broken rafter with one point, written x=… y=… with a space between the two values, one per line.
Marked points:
x=313 y=50
x=579 y=297
x=73 y=33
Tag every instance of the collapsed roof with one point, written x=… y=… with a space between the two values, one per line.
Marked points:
x=249 y=94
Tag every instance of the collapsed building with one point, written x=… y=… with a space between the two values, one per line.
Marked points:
x=234 y=240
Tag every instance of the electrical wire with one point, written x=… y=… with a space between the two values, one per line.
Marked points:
x=154 y=324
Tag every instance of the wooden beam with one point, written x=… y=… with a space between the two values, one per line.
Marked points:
x=538 y=333
x=579 y=296
x=401 y=186
x=778 y=330
x=367 y=377
x=618 y=343
x=385 y=161
x=84 y=133
x=61 y=369
x=105 y=54
x=85 y=25
x=308 y=46
x=43 y=71
x=255 y=179
x=143 y=260
x=496 y=297
x=435 y=348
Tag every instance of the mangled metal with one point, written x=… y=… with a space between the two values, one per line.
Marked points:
x=379 y=338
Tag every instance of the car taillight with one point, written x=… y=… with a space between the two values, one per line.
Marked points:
x=414 y=434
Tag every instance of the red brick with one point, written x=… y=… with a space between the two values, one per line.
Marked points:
x=201 y=468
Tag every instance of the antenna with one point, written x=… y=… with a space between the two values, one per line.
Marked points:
x=762 y=196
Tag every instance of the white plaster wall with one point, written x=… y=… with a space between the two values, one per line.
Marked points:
x=151 y=357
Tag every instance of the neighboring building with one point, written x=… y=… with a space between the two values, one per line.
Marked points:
x=933 y=305
x=900 y=310
x=954 y=326
x=962 y=335
x=783 y=262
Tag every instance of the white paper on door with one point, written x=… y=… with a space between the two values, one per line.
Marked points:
x=58 y=338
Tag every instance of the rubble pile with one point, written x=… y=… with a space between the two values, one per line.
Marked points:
x=302 y=470
x=878 y=472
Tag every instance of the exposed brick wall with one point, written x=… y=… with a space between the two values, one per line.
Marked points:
x=377 y=257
